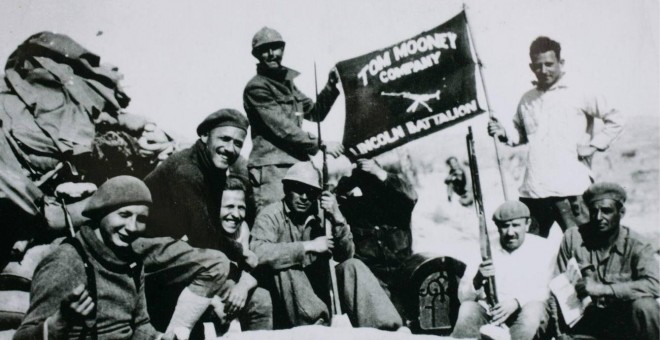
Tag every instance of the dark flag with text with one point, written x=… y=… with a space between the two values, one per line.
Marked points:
x=409 y=90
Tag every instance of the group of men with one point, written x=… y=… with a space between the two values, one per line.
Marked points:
x=274 y=273
x=619 y=270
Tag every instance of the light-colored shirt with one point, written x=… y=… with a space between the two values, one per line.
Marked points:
x=554 y=123
x=523 y=274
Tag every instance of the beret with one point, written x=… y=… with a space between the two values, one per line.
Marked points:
x=223 y=117
x=510 y=210
x=603 y=190
x=115 y=193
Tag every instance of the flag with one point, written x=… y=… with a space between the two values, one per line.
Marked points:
x=408 y=90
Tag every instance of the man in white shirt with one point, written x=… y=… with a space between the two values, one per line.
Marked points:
x=556 y=119
x=524 y=265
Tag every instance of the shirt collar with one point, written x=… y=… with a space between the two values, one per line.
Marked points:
x=287 y=212
x=284 y=73
x=620 y=242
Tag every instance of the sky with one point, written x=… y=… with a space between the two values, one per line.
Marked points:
x=183 y=60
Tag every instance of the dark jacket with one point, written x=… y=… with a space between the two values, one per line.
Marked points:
x=186 y=191
x=271 y=102
x=120 y=304
x=379 y=220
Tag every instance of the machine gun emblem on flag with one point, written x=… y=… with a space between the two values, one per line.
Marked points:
x=418 y=99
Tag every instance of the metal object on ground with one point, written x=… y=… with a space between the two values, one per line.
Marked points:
x=429 y=288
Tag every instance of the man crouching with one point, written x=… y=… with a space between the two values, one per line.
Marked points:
x=293 y=251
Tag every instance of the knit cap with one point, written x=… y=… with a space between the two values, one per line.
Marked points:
x=115 y=193
x=223 y=117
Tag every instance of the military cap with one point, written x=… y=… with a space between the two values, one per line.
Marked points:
x=223 y=117
x=510 y=210
x=603 y=190
x=115 y=193
x=304 y=172
x=266 y=35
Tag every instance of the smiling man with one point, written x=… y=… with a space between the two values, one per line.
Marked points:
x=556 y=119
x=276 y=109
x=619 y=268
x=187 y=187
x=522 y=266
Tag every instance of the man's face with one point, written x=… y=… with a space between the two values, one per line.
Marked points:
x=300 y=197
x=605 y=215
x=223 y=145
x=547 y=69
x=453 y=163
x=270 y=55
x=232 y=210
x=512 y=233
x=121 y=227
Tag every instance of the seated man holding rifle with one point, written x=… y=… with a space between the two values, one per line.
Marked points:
x=522 y=267
x=293 y=252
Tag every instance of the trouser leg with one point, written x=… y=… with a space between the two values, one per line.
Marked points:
x=267 y=184
x=570 y=212
x=645 y=313
x=471 y=316
x=363 y=299
x=297 y=298
x=172 y=265
x=529 y=321
x=543 y=215
x=258 y=311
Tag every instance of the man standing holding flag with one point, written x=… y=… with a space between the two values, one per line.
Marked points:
x=276 y=109
x=556 y=119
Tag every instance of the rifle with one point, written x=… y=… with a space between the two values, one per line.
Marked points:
x=484 y=241
x=335 y=306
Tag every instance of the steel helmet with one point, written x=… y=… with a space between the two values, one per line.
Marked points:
x=266 y=35
x=304 y=172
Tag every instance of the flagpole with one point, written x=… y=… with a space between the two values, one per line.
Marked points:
x=505 y=188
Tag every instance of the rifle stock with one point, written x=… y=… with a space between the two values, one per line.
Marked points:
x=484 y=241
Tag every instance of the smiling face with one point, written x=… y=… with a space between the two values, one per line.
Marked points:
x=512 y=233
x=223 y=145
x=232 y=210
x=121 y=227
x=270 y=55
x=605 y=216
x=547 y=69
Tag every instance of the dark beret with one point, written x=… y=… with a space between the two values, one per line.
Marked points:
x=223 y=117
x=599 y=191
x=115 y=193
x=510 y=210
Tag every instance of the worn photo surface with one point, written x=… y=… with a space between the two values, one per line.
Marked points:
x=414 y=76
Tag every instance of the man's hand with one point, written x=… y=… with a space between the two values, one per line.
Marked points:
x=371 y=167
x=587 y=286
x=496 y=129
x=486 y=270
x=334 y=149
x=330 y=205
x=235 y=298
x=319 y=245
x=333 y=77
x=503 y=310
x=73 y=309
x=586 y=152
x=251 y=259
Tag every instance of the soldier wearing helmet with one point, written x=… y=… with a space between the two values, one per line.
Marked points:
x=276 y=109
x=293 y=251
